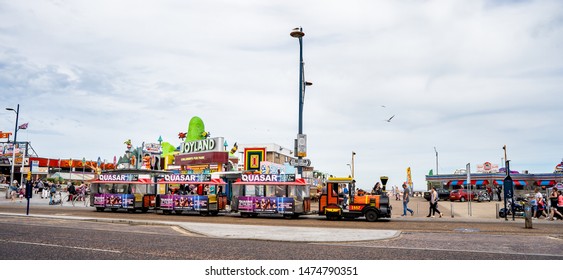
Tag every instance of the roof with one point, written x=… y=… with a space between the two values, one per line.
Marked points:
x=73 y=176
x=340 y=179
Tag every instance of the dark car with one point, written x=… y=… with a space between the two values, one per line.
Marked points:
x=461 y=195
x=443 y=194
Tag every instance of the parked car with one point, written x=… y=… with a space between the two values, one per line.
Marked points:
x=443 y=194
x=461 y=195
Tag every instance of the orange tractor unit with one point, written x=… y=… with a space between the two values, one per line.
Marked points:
x=340 y=200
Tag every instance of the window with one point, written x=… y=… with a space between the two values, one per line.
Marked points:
x=281 y=191
x=270 y=190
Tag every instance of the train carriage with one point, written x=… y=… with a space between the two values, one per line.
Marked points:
x=192 y=193
x=127 y=189
x=270 y=194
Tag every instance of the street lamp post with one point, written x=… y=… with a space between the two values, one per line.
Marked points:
x=15 y=141
x=436 y=160
x=353 y=155
x=298 y=33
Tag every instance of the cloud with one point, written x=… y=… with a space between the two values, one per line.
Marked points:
x=466 y=77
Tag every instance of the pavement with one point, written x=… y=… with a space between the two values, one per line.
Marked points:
x=453 y=212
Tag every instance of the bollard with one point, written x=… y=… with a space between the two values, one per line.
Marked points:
x=452 y=209
x=528 y=215
x=498 y=210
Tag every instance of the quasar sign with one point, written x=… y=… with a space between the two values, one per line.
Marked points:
x=118 y=177
x=187 y=177
x=268 y=178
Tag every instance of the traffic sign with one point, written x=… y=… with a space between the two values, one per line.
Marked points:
x=300 y=162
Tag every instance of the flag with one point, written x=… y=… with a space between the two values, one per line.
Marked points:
x=23 y=126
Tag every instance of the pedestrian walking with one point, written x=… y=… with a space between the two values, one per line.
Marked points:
x=14 y=190
x=21 y=192
x=490 y=192
x=553 y=201
x=45 y=191
x=52 y=192
x=71 y=191
x=406 y=200
x=499 y=190
x=40 y=188
x=433 y=204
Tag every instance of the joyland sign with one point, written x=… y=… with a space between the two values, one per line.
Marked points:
x=206 y=151
x=205 y=145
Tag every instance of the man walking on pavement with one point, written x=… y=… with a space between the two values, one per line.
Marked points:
x=406 y=200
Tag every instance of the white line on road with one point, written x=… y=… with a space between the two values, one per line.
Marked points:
x=445 y=250
x=62 y=246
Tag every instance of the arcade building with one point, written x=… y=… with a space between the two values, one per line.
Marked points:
x=489 y=175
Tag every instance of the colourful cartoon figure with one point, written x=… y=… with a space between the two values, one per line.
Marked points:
x=196 y=130
x=147 y=162
x=128 y=143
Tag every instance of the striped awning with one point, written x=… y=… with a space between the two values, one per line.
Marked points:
x=546 y=183
x=464 y=182
x=514 y=182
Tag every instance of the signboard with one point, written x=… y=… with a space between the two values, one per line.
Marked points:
x=487 y=167
x=114 y=200
x=300 y=162
x=187 y=177
x=5 y=134
x=118 y=177
x=205 y=145
x=202 y=158
x=261 y=204
x=253 y=157
x=301 y=145
x=153 y=148
x=183 y=202
x=268 y=178
x=267 y=167
x=34 y=166
x=7 y=148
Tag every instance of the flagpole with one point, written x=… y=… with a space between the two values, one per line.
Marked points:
x=23 y=162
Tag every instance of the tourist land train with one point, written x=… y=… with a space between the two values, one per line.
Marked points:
x=202 y=176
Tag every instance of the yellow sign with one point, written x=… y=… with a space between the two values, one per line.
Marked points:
x=409 y=178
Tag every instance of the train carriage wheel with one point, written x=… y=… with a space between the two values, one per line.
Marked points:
x=371 y=215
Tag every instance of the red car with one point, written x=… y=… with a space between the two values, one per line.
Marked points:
x=461 y=195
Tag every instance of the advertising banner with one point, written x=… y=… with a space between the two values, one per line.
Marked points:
x=114 y=200
x=253 y=157
x=184 y=202
x=261 y=204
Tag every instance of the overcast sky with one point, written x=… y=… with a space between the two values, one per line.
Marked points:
x=466 y=77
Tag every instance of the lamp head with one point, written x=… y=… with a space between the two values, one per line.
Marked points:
x=297 y=32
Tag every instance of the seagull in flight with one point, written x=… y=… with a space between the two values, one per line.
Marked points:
x=389 y=119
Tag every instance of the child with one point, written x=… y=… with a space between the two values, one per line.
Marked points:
x=541 y=209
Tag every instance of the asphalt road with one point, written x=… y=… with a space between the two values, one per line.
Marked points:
x=49 y=239
x=408 y=224
x=31 y=238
